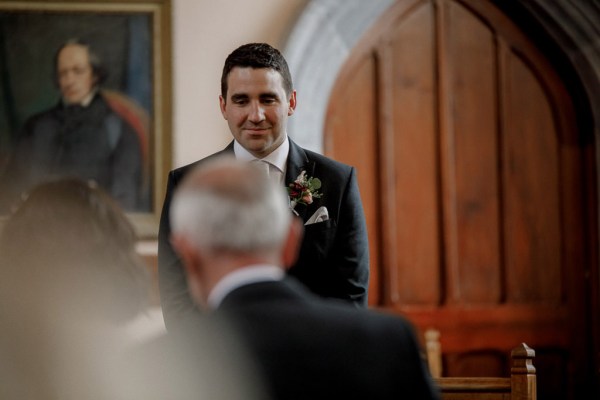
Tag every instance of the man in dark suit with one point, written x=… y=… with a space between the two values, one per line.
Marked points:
x=235 y=234
x=256 y=99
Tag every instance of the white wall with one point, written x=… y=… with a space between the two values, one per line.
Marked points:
x=204 y=33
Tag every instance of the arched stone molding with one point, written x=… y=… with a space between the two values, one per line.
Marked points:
x=318 y=45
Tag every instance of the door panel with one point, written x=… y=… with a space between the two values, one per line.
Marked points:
x=359 y=105
x=531 y=177
x=409 y=87
x=469 y=146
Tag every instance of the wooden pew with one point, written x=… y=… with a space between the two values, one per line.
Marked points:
x=521 y=385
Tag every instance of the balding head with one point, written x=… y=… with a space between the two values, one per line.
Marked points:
x=226 y=216
x=229 y=207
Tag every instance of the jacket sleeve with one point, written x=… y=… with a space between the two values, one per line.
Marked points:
x=351 y=246
x=175 y=300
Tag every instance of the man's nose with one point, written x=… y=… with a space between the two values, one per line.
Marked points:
x=257 y=113
x=67 y=78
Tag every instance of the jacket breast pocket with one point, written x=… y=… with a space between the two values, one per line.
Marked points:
x=318 y=240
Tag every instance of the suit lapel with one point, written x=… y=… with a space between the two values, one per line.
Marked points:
x=296 y=163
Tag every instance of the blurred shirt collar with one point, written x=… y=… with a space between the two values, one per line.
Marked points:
x=87 y=100
x=241 y=277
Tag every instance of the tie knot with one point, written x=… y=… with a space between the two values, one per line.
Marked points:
x=262 y=166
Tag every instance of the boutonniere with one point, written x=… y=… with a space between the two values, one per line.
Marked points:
x=303 y=190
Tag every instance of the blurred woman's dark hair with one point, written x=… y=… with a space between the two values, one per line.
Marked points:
x=69 y=241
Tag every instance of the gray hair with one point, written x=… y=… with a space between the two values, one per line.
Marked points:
x=229 y=206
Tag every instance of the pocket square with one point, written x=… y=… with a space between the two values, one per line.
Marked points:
x=319 y=216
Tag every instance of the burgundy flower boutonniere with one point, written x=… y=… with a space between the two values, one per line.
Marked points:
x=303 y=190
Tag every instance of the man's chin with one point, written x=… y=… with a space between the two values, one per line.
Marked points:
x=256 y=144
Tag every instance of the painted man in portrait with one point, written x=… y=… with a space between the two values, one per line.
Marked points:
x=89 y=134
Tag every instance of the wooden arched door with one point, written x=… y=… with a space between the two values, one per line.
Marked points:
x=473 y=177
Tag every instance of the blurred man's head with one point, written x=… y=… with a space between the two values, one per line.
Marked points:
x=228 y=215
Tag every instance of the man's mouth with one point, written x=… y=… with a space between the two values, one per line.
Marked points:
x=255 y=130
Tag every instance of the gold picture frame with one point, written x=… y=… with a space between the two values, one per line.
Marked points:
x=133 y=38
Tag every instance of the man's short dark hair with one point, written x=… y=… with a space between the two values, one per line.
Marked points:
x=257 y=55
x=98 y=68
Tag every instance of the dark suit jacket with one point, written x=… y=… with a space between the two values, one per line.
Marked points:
x=308 y=347
x=334 y=257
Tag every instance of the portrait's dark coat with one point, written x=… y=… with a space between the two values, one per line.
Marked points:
x=92 y=143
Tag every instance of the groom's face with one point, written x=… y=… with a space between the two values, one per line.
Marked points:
x=256 y=108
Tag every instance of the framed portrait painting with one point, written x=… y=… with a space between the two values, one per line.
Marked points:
x=85 y=91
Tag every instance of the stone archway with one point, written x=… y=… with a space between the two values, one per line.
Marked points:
x=316 y=49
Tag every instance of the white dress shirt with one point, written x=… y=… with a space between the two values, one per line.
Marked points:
x=277 y=159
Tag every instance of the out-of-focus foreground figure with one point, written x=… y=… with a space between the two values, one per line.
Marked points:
x=236 y=235
x=71 y=284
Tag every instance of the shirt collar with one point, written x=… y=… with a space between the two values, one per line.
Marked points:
x=277 y=157
x=87 y=100
x=241 y=277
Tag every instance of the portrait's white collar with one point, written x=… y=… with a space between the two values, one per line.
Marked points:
x=87 y=100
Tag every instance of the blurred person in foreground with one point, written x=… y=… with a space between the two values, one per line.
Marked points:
x=236 y=236
x=257 y=97
x=71 y=283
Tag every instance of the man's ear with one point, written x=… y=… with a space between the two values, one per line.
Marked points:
x=292 y=103
x=223 y=106
x=291 y=246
